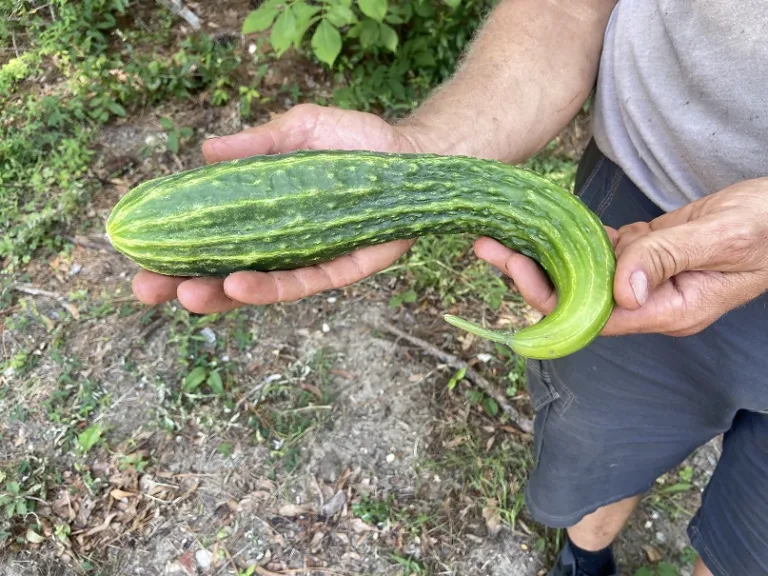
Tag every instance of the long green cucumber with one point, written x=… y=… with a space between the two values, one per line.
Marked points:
x=292 y=210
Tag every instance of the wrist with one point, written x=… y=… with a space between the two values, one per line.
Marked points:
x=416 y=136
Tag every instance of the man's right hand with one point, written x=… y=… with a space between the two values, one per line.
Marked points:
x=303 y=127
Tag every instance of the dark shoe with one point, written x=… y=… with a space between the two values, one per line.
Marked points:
x=565 y=565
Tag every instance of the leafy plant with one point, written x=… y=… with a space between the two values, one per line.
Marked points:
x=384 y=52
x=175 y=135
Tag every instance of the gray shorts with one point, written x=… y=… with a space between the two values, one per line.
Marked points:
x=615 y=416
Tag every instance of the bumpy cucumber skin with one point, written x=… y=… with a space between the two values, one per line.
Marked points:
x=292 y=210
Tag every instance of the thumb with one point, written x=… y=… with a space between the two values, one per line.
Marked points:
x=659 y=255
x=287 y=133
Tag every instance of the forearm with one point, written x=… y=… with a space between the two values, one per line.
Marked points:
x=530 y=69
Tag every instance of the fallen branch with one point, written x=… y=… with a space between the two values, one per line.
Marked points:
x=525 y=424
x=92 y=244
x=32 y=291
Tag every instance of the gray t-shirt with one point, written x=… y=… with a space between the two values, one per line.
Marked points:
x=682 y=95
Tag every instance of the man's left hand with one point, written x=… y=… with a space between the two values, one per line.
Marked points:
x=677 y=274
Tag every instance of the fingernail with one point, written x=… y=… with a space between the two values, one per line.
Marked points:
x=639 y=282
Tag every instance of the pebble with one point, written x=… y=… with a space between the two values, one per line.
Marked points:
x=648 y=524
x=332 y=299
x=326 y=328
x=208 y=334
x=660 y=537
x=484 y=357
x=390 y=458
x=203 y=558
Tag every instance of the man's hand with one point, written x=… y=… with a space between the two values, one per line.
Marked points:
x=303 y=127
x=677 y=274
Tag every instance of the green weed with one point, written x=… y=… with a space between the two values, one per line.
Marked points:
x=102 y=72
x=383 y=54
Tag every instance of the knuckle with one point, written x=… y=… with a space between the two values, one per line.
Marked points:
x=666 y=260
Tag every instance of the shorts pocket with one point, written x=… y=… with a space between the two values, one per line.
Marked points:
x=542 y=396
x=539 y=385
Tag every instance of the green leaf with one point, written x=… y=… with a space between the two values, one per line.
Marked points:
x=490 y=406
x=215 y=383
x=260 y=19
x=410 y=296
x=424 y=9
x=34 y=537
x=424 y=59
x=186 y=132
x=283 y=31
x=195 y=378
x=667 y=569
x=452 y=3
x=304 y=19
x=116 y=109
x=340 y=15
x=166 y=123
x=388 y=37
x=375 y=9
x=87 y=438
x=674 y=488
x=369 y=32
x=21 y=507
x=326 y=43
x=643 y=572
x=173 y=142
x=456 y=378
x=13 y=487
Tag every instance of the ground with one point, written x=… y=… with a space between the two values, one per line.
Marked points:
x=298 y=438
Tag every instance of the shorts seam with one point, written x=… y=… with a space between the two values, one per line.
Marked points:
x=583 y=188
x=697 y=538
x=564 y=392
x=605 y=204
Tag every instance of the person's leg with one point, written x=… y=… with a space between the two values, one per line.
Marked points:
x=613 y=417
x=730 y=530
x=700 y=569
x=598 y=530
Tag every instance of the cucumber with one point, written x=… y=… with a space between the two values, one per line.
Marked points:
x=286 y=211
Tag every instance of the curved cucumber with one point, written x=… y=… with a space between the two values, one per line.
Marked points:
x=292 y=210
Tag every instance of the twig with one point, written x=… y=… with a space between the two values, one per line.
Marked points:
x=92 y=244
x=525 y=424
x=178 y=8
x=32 y=291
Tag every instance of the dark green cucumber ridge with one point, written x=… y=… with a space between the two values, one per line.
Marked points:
x=292 y=210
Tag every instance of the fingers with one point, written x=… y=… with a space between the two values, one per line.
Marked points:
x=650 y=259
x=153 y=289
x=289 y=132
x=198 y=295
x=530 y=279
x=205 y=296
x=260 y=288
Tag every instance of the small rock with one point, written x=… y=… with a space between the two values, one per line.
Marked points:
x=326 y=328
x=334 y=505
x=390 y=458
x=293 y=510
x=484 y=357
x=316 y=543
x=208 y=334
x=652 y=553
x=330 y=467
x=332 y=300
x=648 y=524
x=655 y=515
x=661 y=537
x=204 y=559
